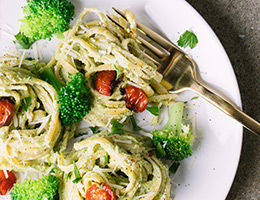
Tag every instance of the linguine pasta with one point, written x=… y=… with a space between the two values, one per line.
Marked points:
x=99 y=45
x=124 y=162
x=28 y=141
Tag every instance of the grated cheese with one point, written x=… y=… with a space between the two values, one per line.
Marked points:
x=15 y=121
x=133 y=84
x=123 y=141
x=46 y=119
x=16 y=132
x=5 y=172
x=21 y=60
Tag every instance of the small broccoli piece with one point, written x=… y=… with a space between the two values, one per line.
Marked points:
x=43 y=188
x=172 y=141
x=42 y=19
x=74 y=99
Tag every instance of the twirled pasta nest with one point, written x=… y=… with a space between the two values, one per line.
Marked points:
x=28 y=141
x=99 y=45
x=124 y=162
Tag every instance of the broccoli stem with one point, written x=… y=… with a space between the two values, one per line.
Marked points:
x=175 y=118
x=48 y=75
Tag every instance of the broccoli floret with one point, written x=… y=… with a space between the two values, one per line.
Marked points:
x=74 y=99
x=174 y=140
x=42 y=19
x=43 y=188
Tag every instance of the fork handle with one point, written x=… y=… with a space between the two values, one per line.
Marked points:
x=226 y=107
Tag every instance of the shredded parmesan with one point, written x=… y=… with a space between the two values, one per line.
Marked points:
x=123 y=119
x=133 y=84
x=46 y=119
x=21 y=59
x=5 y=171
x=141 y=196
x=16 y=132
x=15 y=121
x=123 y=141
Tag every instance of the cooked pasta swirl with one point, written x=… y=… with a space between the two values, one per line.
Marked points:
x=28 y=141
x=124 y=162
x=100 y=46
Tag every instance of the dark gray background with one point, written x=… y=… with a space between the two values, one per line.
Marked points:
x=237 y=25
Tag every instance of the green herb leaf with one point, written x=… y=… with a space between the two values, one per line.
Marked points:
x=67 y=176
x=173 y=168
x=77 y=134
x=29 y=58
x=136 y=127
x=193 y=98
x=154 y=110
x=117 y=128
x=188 y=39
x=118 y=73
x=26 y=103
x=106 y=157
x=77 y=174
x=100 y=186
x=52 y=170
x=94 y=129
x=48 y=75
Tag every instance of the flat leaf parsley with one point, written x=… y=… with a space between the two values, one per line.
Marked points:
x=188 y=39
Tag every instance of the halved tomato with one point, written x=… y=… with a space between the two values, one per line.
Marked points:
x=6 y=184
x=100 y=192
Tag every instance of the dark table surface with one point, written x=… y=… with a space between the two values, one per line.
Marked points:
x=237 y=24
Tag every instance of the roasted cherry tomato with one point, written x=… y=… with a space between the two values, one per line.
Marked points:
x=135 y=98
x=6 y=184
x=6 y=112
x=100 y=192
x=105 y=82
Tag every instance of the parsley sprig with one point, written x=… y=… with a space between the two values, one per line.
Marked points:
x=188 y=39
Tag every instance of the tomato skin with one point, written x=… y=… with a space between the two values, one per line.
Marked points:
x=6 y=112
x=105 y=82
x=100 y=192
x=135 y=99
x=6 y=184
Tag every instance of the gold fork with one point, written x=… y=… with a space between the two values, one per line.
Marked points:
x=180 y=72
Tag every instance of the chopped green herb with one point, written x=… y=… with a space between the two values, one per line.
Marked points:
x=117 y=128
x=193 y=98
x=173 y=168
x=29 y=58
x=94 y=129
x=136 y=127
x=77 y=174
x=77 y=134
x=188 y=39
x=154 y=110
x=67 y=176
x=118 y=73
x=106 y=157
x=26 y=102
x=100 y=186
x=35 y=69
x=53 y=170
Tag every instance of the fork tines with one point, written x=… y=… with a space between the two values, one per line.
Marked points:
x=159 y=48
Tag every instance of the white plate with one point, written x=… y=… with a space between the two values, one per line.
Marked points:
x=209 y=173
